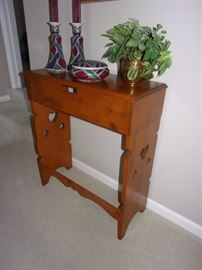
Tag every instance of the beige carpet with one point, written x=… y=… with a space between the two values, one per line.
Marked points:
x=53 y=228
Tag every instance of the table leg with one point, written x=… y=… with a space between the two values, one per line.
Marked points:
x=136 y=166
x=52 y=139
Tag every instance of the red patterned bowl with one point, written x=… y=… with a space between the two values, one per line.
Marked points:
x=89 y=71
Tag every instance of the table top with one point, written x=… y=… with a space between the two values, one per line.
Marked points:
x=112 y=84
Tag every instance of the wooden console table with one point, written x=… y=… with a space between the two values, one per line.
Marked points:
x=133 y=112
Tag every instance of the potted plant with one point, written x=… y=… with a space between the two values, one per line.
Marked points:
x=140 y=51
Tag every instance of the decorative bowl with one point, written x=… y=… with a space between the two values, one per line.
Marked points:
x=89 y=70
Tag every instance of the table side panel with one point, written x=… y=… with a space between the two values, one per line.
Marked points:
x=52 y=138
x=139 y=150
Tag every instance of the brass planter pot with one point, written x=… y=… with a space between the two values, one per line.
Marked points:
x=125 y=65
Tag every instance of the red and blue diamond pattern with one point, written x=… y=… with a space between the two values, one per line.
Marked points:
x=56 y=60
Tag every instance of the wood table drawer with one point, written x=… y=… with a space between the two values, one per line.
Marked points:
x=82 y=101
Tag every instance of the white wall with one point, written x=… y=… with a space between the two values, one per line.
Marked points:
x=11 y=42
x=4 y=74
x=176 y=179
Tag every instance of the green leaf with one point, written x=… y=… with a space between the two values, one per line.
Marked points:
x=131 y=56
x=150 y=54
x=111 y=54
x=131 y=43
x=149 y=43
x=166 y=45
x=146 y=29
x=165 y=55
x=159 y=26
x=122 y=30
x=136 y=55
x=137 y=36
x=164 y=61
x=108 y=52
x=132 y=73
x=132 y=24
x=145 y=64
x=120 y=50
x=141 y=46
x=109 y=44
x=148 y=71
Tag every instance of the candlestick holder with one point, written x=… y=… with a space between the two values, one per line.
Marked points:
x=77 y=53
x=56 y=61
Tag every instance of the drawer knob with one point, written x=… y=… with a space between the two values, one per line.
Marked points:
x=71 y=90
x=68 y=89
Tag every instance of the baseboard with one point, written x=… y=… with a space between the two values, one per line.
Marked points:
x=5 y=98
x=161 y=210
x=96 y=174
x=174 y=217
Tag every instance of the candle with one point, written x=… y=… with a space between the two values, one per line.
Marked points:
x=76 y=11
x=53 y=9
